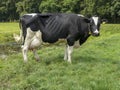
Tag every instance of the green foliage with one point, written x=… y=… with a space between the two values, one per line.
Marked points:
x=115 y=9
x=71 y=6
x=88 y=7
x=49 y=6
x=68 y=6
x=10 y=10
x=103 y=7
x=27 y=6
x=95 y=66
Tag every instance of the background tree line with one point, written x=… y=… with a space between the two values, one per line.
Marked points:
x=11 y=10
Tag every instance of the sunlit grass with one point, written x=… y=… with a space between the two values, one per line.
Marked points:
x=7 y=30
x=9 y=27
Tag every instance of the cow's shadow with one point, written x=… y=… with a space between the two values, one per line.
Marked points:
x=75 y=59
x=84 y=59
x=52 y=59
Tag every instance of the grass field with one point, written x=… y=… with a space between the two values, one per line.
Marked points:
x=95 y=65
x=7 y=30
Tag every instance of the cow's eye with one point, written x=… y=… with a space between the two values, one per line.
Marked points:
x=91 y=23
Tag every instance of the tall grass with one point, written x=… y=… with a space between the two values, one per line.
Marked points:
x=95 y=66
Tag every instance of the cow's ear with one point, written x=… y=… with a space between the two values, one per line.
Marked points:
x=104 y=21
x=87 y=20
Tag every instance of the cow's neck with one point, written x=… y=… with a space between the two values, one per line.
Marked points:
x=89 y=29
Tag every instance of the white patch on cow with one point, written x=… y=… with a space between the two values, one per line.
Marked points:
x=95 y=20
x=80 y=15
x=32 y=14
x=36 y=40
x=32 y=41
x=96 y=31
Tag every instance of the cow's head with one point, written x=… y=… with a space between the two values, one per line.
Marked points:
x=95 y=25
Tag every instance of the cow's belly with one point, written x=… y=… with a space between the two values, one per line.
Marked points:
x=52 y=38
x=35 y=43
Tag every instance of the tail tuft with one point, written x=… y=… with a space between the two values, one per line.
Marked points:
x=17 y=37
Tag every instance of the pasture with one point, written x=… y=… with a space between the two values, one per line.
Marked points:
x=95 y=65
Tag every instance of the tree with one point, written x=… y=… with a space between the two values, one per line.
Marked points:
x=28 y=6
x=115 y=10
x=11 y=10
x=65 y=6
x=3 y=10
x=87 y=7
x=8 y=10
x=50 y=6
x=72 y=6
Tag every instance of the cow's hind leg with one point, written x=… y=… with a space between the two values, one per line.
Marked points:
x=36 y=55
x=26 y=45
x=35 y=43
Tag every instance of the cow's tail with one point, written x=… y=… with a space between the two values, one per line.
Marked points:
x=20 y=38
x=21 y=31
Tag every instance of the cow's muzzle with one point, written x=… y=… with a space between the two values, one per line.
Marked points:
x=96 y=33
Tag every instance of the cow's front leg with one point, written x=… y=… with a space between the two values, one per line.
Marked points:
x=25 y=51
x=69 y=51
x=70 y=42
x=66 y=53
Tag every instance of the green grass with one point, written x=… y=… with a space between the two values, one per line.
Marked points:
x=7 y=30
x=95 y=66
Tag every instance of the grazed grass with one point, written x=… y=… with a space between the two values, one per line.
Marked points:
x=95 y=66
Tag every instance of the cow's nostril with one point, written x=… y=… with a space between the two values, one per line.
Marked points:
x=96 y=34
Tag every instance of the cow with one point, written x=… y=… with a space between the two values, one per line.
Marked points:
x=37 y=28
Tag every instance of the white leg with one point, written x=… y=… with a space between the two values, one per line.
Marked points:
x=35 y=43
x=70 y=50
x=25 y=48
x=36 y=55
x=24 y=51
x=66 y=53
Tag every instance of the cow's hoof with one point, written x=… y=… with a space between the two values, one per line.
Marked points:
x=69 y=61
x=37 y=59
x=25 y=61
x=65 y=59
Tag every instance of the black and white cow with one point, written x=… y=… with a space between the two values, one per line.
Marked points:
x=38 y=28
